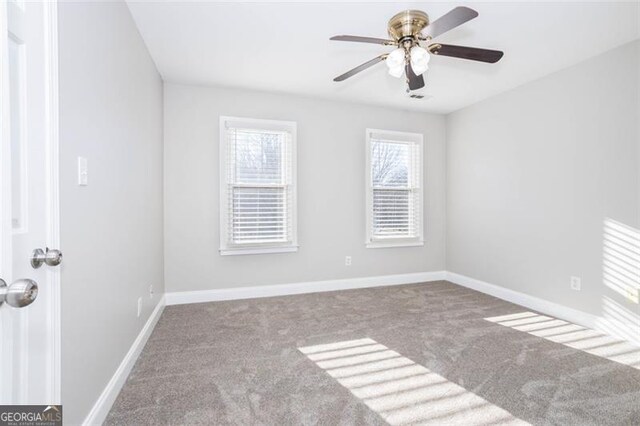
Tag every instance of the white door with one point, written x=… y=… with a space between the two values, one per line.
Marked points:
x=29 y=335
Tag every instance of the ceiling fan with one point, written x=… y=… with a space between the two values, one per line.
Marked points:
x=410 y=28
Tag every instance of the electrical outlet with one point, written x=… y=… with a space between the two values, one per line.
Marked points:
x=347 y=261
x=576 y=283
x=139 y=306
x=83 y=172
x=151 y=291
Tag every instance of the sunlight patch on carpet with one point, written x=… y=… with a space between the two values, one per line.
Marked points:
x=573 y=336
x=401 y=391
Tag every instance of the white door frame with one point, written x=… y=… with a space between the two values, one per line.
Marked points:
x=53 y=196
x=52 y=382
x=5 y=185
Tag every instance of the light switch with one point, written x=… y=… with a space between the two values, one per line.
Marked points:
x=83 y=172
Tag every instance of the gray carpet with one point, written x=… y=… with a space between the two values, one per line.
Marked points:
x=431 y=353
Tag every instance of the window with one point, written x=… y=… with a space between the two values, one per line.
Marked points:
x=394 y=189
x=258 y=192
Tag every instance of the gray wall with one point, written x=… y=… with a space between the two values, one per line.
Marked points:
x=331 y=190
x=536 y=174
x=111 y=113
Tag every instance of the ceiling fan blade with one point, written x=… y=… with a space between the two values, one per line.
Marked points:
x=361 y=67
x=415 y=81
x=363 y=39
x=464 y=52
x=454 y=18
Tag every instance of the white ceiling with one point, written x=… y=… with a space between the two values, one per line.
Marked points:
x=285 y=47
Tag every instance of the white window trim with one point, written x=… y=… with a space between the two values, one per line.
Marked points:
x=264 y=248
x=407 y=137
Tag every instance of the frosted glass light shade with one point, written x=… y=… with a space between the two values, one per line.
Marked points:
x=395 y=59
x=419 y=59
x=397 y=71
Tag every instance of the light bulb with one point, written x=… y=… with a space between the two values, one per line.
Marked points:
x=395 y=59
x=419 y=60
x=397 y=71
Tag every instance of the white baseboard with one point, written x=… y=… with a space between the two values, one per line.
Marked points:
x=182 y=297
x=101 y=408
x=544 y=306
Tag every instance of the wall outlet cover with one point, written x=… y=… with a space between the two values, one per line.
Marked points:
x=83 y=172
x=576 y=283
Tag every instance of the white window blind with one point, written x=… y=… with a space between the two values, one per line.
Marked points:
x=394 y=198
x=258 y=193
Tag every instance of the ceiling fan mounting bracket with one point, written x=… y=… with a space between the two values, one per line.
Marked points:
x=408 y=23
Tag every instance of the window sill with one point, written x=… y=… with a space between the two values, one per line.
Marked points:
x=390 y=244
x=257 y=250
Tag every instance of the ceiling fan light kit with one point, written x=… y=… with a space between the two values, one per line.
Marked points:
x=407 y=30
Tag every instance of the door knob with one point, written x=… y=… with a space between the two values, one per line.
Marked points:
x=50 y=257
x=19 y=294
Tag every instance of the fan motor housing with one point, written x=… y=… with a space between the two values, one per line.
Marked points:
x=407 y=23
